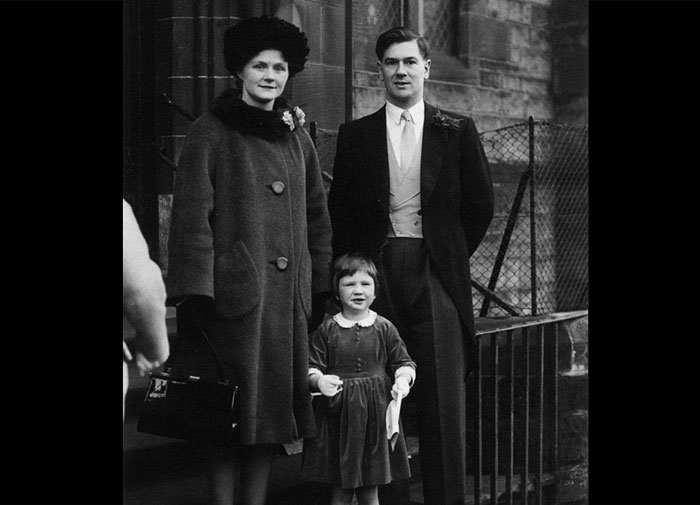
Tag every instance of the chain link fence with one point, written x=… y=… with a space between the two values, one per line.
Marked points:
x=534 y=258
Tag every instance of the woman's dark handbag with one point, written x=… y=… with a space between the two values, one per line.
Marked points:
x=189 y=408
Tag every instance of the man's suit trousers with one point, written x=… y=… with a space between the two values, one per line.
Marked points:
x=415 y=300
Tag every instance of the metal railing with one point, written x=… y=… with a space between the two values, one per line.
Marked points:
x=514 y=410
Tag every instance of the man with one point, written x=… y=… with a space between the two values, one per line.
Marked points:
x=415 y=194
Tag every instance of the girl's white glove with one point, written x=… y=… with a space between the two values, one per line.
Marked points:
x=400 y=388
x=330 y=385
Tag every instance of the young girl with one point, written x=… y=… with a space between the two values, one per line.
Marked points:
x=355 y=356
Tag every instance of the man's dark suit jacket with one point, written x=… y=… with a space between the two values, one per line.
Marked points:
x=457 y=197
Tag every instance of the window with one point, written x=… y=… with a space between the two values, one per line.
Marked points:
x=437 y=20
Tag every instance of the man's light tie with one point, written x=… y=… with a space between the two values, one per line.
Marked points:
x=408 y=141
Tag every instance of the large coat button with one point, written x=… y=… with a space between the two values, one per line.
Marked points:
x=278 y=187
x=281 y=263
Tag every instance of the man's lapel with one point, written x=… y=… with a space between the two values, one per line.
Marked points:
x=433 y=153
x=377 y=160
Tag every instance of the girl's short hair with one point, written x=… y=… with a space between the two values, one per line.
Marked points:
x=249 y=37
x=350 y=264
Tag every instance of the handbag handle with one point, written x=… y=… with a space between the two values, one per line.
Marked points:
x=222 y=375
x=167 y=368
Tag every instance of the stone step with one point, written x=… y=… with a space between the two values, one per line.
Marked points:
x=163 y=471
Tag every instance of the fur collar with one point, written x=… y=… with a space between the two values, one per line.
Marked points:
x=235 y=113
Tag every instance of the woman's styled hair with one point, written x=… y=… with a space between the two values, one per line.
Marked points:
x=249 y=37
x=400 y=34
x=350 y=264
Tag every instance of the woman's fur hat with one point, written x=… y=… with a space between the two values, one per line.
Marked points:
x=249 y=37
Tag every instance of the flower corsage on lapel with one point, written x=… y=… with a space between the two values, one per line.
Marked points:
x=292 y=120
x=447 y=122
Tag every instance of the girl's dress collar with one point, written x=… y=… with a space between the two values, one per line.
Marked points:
x=346 y=323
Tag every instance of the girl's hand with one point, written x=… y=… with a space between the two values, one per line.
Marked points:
x=330 y=385
x=400 y=388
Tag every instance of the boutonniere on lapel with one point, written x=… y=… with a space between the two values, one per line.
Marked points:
x=289 y=120
x=447 y=122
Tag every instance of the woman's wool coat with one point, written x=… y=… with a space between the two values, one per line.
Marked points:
x=250 y=231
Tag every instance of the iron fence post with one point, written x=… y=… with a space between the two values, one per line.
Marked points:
x=479 y=456
x=554 y=455
x=533 y=236
x=525 y=472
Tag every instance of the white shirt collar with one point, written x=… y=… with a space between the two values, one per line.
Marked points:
x=346 y=323
x=417 y=112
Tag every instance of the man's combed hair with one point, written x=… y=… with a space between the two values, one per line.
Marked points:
x=350 y=264
x=249 y=37
x=400 y=34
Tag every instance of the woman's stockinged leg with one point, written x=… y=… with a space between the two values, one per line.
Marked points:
x=342 y=496
x=256 y=465
x=222 y=465
x=367 y=495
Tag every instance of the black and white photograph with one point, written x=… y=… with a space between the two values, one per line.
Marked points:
x=356 y=250
x=361 y=245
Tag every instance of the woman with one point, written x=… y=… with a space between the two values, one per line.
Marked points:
x=250 y=239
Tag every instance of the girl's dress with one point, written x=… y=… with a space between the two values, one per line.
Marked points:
x=352 y=449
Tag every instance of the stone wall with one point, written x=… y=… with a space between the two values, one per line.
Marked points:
x=512 y=59
x=573 y=413
x=509 y=54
